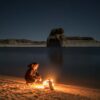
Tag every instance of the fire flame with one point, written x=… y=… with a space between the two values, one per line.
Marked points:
x=39 y=86
x=45 y=84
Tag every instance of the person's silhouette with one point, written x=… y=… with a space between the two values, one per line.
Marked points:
x=32 y=74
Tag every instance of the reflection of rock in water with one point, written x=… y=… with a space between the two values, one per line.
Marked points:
x=55 y=56
x=54 y=42
x=56 y=61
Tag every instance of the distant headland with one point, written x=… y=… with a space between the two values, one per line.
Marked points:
x=21 y=43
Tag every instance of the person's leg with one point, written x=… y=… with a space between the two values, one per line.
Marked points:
x=29 y=80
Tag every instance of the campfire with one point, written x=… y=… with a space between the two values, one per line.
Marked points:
x=47 y=84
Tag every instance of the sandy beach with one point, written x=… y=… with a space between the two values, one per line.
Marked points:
x=13 y=88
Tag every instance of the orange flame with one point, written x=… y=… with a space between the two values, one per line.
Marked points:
x=45 y=84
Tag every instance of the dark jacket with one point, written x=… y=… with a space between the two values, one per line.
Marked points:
x=31 y=75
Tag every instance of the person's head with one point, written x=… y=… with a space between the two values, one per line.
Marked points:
x=34 y=66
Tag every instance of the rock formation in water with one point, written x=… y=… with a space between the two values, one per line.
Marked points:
x=55 y=38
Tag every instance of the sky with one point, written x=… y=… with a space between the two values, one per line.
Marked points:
x=34 y=19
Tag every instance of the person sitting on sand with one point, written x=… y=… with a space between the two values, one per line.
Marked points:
x=32 y=75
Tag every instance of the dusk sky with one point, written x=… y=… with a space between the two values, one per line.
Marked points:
x=34 y=19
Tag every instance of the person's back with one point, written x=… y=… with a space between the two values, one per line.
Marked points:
x=28 y=76
x=32 y=74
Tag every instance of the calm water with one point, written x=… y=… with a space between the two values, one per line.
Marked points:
x=72 y=65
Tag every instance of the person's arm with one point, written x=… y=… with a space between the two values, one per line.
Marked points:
x=37 y=74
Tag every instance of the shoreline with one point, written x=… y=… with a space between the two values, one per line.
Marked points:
x=98 y=45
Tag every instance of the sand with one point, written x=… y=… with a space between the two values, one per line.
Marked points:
x=13 y=88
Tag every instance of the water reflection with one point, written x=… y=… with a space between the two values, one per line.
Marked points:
x=55 y=56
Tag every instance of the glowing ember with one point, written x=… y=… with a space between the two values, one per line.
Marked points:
x=45 y=83
x=39 y=86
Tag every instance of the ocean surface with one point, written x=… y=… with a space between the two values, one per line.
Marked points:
x=71 y=65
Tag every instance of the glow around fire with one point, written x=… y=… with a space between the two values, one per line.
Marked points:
x=44 y=85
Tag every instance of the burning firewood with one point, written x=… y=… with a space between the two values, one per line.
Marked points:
x=47 y=84
x=51 y=85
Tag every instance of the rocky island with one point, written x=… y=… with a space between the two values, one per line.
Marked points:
x=57 y=38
